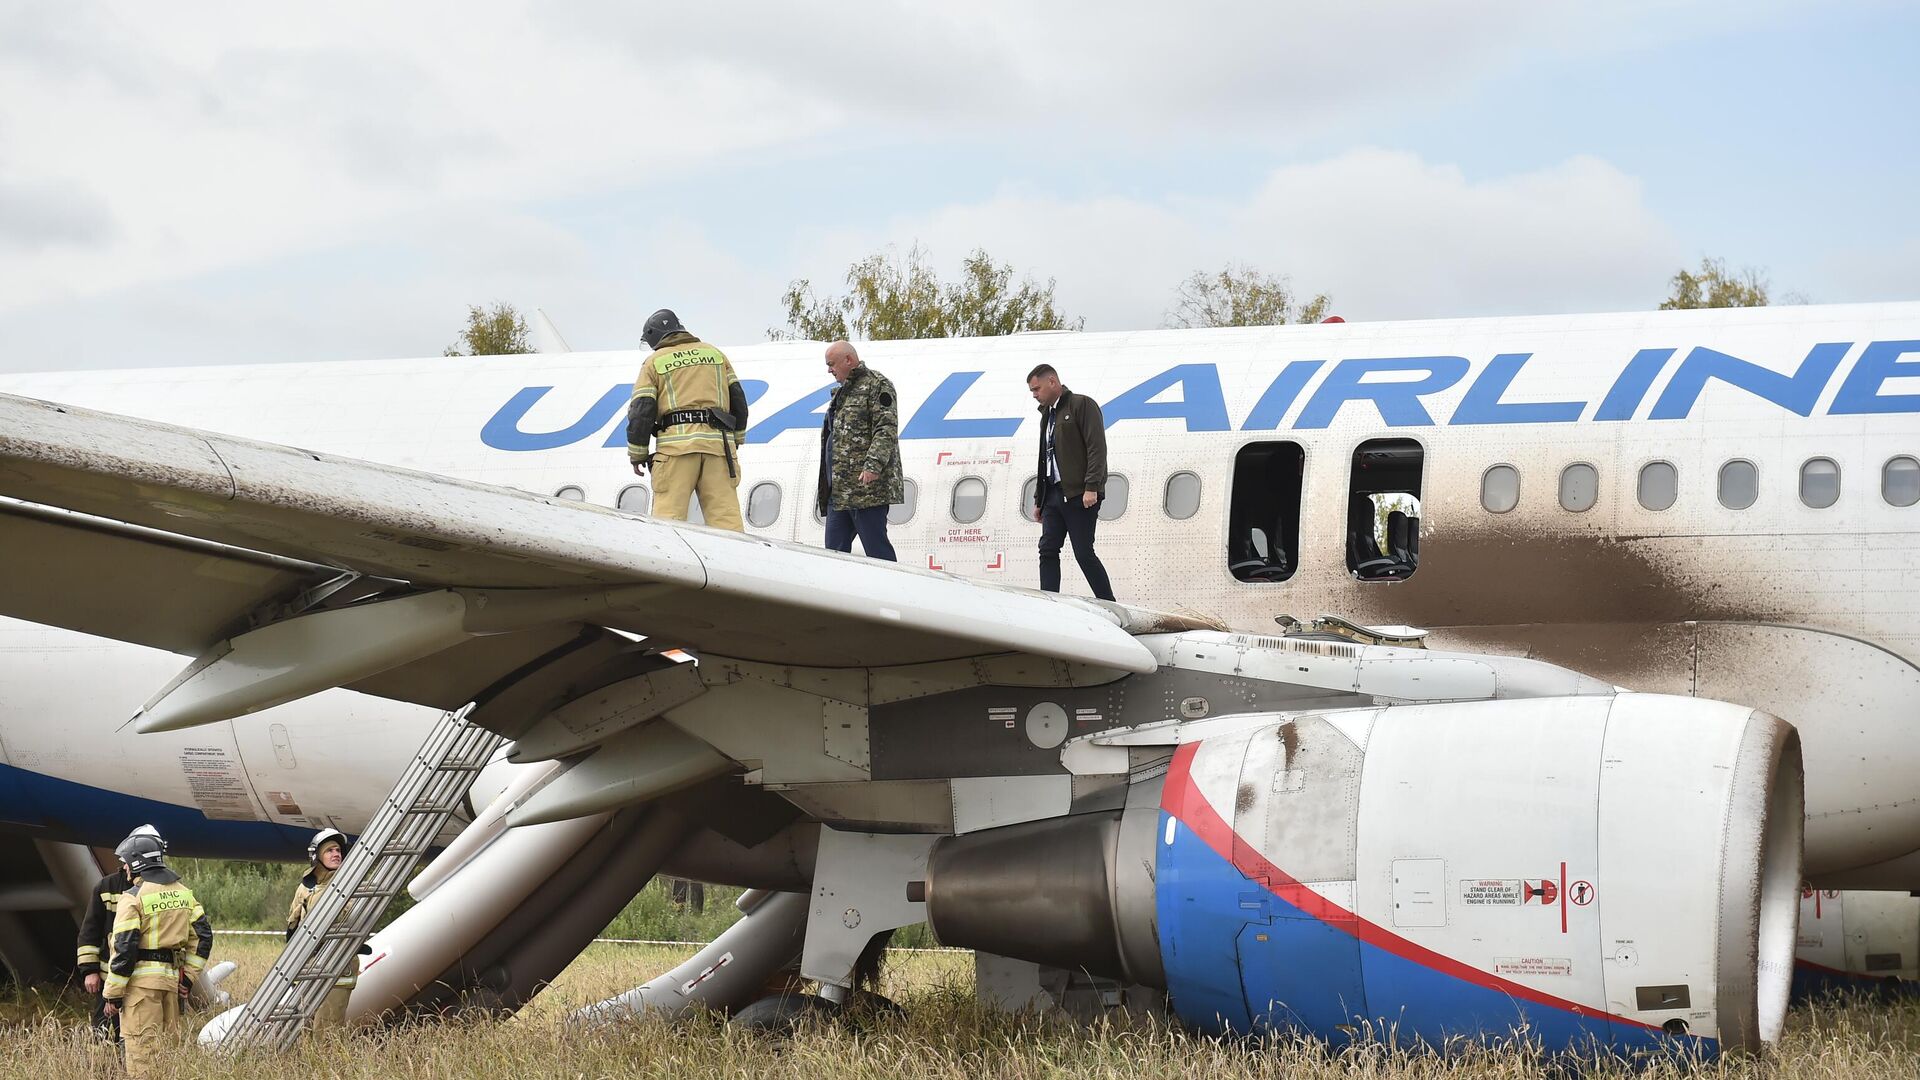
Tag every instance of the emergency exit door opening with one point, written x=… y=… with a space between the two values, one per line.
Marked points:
x=1263 y=530
x=1383 y=509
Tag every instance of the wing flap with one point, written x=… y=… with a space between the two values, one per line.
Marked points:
x=134 y=584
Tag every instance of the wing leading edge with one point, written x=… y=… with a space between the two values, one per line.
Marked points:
x=289 y=516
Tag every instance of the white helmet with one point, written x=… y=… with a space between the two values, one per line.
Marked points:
x=322 y=837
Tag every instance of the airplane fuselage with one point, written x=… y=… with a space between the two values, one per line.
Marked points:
x=1710 y=503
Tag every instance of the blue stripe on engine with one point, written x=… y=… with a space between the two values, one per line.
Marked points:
x=1240 y=958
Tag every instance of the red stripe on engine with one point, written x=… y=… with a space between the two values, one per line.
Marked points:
x=1182 y=798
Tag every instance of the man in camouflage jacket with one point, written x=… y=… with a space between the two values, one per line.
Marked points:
x=859 y=455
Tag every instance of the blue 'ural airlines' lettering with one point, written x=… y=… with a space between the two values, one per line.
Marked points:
x=1797 y=391
x=930 y=421
x=1193 y=394
x=1482 y=405
x=1398 y=402
x=804 y=415
x=1632 y=385
x=1861 y=392
x=503 y=430
x=1201 y=403
x=1280 y=394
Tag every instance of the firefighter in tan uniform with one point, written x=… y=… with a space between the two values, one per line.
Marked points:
x=688 y=406
x=161 y=941
x=95 y=945
x=326 y=852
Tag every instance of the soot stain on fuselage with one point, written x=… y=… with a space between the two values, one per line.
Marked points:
x=1477 y=578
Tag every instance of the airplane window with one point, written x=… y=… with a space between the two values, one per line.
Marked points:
x=902 y=512
x=1115 y=502
x=1820 y=483
x=1182 y=498
x=1029 y=495
x=969 y=500
x=571 y=493
x=1383 y=509
x=1659 y=485
x=1579 y=487
x=763 y=504
x=1263 y=529
x=634 y=499
x=1739 y=484
x=1900 y=481
x=1500 y=489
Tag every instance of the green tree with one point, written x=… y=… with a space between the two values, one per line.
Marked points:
x=1716 y=287
x=890 y=298
x=1242 y=296
x=497 y=331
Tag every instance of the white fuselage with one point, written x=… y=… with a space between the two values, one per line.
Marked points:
x=1806 y=610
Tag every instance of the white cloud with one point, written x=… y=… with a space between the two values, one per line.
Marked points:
x=223 y=136
x=1387 y=234
x=233 y=180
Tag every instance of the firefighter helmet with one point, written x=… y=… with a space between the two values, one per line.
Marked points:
x=659 y=325
x=142 y=852
x=321 y=838
x=149 y=831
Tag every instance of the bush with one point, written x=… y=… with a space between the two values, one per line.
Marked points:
x=255 y=895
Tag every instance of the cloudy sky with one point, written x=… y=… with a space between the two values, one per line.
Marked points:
x=225 y=183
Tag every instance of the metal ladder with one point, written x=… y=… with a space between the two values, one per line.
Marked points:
x=328 y=941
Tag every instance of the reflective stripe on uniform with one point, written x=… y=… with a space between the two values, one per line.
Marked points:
x=677 y=378
x=88 y=954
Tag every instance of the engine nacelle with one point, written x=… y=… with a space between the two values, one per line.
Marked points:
x=1856 y=940
x=1615 y=870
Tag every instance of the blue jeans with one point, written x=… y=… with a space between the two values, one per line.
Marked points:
x=868 y=521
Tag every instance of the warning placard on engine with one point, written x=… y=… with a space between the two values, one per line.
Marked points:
x=1532 y=965
x=1491 y=892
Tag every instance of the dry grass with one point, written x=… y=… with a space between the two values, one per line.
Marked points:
x=942 y=1034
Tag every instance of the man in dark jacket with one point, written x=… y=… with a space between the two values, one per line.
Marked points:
x=1073 y=479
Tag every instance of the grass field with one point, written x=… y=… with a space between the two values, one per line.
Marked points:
x=942 y=1034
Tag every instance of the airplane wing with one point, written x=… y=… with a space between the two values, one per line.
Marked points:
x=178 y=539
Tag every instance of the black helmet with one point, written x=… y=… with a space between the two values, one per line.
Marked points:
x=659 y=325
x=151 y=832
x=322 y=837
x=142 y=852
